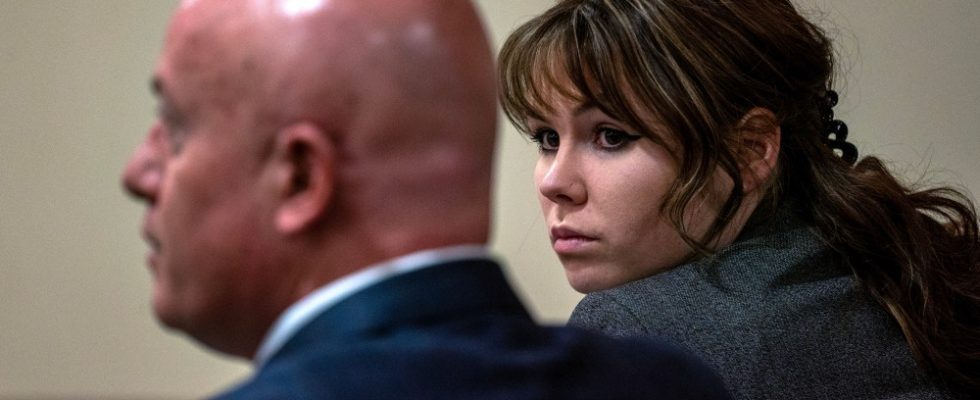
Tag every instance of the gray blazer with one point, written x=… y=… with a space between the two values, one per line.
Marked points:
x=776 y=314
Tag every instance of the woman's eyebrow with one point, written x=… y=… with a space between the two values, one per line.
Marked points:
x=586 y=106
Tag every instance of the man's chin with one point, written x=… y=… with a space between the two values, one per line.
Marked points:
x=203 y=330
x=167 y=314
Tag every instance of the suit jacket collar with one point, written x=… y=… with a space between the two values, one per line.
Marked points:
x=438 y=292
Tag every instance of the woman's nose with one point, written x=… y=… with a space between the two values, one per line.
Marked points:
x=561 y=181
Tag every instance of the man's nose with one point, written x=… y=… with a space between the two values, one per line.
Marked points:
x=143 y=172
x=562 y=182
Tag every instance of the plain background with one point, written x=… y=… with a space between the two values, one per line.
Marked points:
x=75 y=319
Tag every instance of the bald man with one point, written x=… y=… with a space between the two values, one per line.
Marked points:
x=317 y=187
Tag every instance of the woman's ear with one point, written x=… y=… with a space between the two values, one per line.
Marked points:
x=303 y=164
x=759 y=139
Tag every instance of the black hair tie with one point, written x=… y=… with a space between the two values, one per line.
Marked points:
x=835 y=130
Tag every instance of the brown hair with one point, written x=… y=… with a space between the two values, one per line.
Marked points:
x=698 y=66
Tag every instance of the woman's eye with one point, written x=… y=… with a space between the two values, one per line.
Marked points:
x=611 y=139
x=546 y=139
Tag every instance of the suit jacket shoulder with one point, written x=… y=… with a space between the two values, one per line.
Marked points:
x=457 y=331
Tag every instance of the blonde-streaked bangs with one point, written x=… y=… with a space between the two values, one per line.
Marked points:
x=566 y=53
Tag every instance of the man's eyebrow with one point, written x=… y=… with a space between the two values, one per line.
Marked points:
x=164 y=106
x=156 y=86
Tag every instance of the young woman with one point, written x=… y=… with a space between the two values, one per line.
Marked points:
x=697 y=186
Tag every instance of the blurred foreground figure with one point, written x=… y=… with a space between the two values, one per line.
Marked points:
x=317 y=188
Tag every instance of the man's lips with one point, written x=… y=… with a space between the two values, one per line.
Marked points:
x=152 y=242
x=567 y=241
x=146 y=231
x=149 y=238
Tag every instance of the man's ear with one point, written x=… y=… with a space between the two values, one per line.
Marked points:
x=759 y=140
x=304 y=165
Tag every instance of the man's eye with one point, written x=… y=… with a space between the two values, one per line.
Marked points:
x=546 y=139
x=176 y=139
x=611 y=139
x=174 y=129
x=174 y=134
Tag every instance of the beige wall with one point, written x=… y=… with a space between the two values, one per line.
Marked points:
x=74 y=314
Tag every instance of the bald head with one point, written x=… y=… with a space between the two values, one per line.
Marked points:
x=403 y=90
x=299 y=141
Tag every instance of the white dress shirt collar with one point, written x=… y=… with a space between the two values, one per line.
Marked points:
x=311 y=305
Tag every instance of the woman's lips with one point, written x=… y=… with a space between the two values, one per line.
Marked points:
x=567 y=241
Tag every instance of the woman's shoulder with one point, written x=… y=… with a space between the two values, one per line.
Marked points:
x=785 y=271
x=791 y=308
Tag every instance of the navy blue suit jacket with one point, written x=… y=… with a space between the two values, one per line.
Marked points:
x=457 y=331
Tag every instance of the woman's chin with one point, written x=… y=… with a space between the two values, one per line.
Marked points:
x=588 y=279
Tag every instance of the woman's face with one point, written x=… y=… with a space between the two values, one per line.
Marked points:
x=601 y=186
